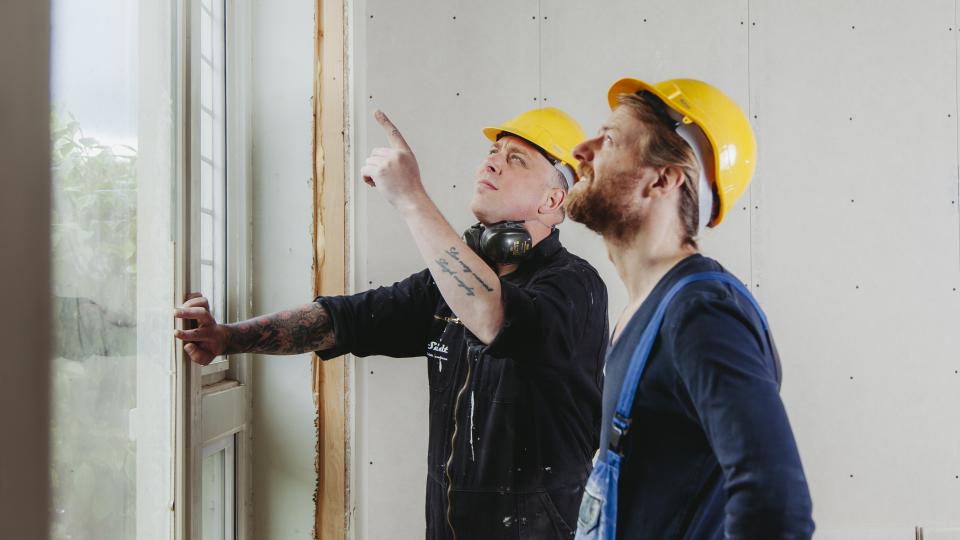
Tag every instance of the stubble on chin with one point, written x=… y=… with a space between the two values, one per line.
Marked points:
x=605 y=206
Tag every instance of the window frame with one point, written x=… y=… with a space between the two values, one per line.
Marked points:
x=222 y=406
x=228 y=446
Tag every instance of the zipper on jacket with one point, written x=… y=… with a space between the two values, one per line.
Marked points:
x=471 y=358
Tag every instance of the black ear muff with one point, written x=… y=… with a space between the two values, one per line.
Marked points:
x=471 y=237
x=506 y=242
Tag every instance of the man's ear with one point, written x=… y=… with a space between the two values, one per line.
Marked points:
x=670 y=178
x=553 y=201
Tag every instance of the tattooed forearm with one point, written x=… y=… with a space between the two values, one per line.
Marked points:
x=464 y=286
x=445 y=268
x=482 y=284
x=466 y=268
x=304 y=329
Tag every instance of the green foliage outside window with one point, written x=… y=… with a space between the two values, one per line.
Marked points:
x=93 y=470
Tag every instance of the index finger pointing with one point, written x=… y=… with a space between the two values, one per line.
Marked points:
x=393 y=134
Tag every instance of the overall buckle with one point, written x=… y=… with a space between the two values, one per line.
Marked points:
x=621 y=426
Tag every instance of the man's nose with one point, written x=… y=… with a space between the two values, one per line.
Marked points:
x=583 y=152
x=492 y=164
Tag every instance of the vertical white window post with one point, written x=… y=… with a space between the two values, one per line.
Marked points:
x=217 y=435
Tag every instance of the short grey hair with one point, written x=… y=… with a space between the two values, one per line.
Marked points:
x=559 y=181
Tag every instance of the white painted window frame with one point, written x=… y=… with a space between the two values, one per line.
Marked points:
x=239 y=241
x=209 y=412
x=212 y=209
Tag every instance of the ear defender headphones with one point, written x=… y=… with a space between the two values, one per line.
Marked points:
x=505 y=242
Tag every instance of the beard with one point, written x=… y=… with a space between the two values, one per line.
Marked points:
x=604 y=205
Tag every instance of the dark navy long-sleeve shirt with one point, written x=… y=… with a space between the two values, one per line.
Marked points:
x=710 y=453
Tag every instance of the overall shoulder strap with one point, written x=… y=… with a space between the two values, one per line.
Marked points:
x=628 y=390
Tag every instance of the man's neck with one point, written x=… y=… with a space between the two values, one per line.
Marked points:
x=644 y=259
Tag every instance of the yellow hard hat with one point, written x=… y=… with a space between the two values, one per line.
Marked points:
x=721 y=120
x=553 y=130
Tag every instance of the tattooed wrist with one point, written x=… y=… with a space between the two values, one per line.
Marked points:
x=304 y=329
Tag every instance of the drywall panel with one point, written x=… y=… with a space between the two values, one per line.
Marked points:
x=849 y=235
x=855 y=249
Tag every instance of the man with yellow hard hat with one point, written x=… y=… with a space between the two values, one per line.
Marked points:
x=695 y=441
x=514 y=328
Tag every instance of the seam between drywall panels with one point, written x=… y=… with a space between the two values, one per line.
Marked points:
x=750 y=116
x=540 y=52
x=956 y=111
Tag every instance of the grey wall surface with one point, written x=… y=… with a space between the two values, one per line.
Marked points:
x=849 y=235
x=283 y=411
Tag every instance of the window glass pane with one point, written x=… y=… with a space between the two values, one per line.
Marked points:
x=113 y=177
x=214 y=499
x=206 y=134
x=206 y=85
x=206 y=282
x=218 y=495
x=206 y=38
x=206 y=185
x=206 y=239
x=212 y=72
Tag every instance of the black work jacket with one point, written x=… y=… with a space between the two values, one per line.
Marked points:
x=526 y=407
